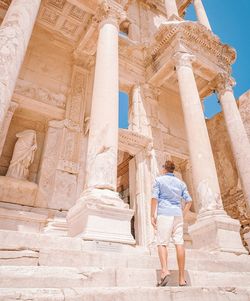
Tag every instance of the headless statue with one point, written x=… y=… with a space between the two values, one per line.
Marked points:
x=23 y=155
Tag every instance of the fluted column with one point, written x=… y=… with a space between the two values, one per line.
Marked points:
x=171 y=8
x=201 y=13
x=15 y=33
x=238 y=137
x=202 y=161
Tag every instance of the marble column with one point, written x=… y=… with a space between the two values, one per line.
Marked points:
x=15 y=33
x=212 y=222
x=99 y=195
x=201 y=13
x=6 y=124
x=237 y=133
x=171 y=8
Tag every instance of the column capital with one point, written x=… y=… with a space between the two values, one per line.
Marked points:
x=110 y=12
x=183 y=59
x=222 y=83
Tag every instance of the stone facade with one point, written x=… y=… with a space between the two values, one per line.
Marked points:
x=76 y=176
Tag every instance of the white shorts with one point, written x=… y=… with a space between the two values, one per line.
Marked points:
x=169 y=227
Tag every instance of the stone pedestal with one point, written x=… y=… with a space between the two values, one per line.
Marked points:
x=17 y=191
x=105 y=220
x=215 y=231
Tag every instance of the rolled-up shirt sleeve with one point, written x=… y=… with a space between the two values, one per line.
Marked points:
x=185 y=194
x=155 y=190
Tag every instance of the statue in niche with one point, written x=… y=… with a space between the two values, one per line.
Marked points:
x=23 y=155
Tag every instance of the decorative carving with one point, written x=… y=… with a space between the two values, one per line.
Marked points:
x=183 y=59
x=132 y=142
x=77 y=13
x=59 y=4
x=33 y=91
x=49 y=16
x=65 y=18
x=207 y=198
x=69 y=28
x=23 y=155
x=194 y=36
x=76 y=102
x=222 y=83
x=110 y=11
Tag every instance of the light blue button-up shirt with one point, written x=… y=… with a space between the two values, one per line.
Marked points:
x=169 y=191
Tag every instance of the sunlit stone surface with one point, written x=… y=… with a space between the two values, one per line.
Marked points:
x=75 y=189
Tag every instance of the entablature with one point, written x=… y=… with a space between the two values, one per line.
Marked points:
x=212 y=57
x=132 y=142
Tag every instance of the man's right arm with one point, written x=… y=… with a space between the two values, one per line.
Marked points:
x=153 y=209
x=154 y=202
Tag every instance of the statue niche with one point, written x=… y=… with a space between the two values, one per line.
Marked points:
x=23 y=155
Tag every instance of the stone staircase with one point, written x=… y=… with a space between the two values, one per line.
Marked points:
x=44 y=267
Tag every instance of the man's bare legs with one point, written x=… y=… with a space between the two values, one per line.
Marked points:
x=180 y=252
x=163 y=256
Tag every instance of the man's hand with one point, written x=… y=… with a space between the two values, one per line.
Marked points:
x=186 y=208
x=153 y=222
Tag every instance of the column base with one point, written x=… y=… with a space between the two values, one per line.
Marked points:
x=216 y=231
x=101 y=215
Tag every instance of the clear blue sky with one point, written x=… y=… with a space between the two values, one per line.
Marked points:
x=229 y=20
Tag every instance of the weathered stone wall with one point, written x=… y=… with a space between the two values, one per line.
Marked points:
x=46 y=72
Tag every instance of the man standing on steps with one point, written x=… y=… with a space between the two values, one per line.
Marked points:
x=167 y=219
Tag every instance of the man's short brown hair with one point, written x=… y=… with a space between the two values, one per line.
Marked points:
x=169 y=166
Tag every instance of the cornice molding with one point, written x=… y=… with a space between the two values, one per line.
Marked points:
x=197 y=38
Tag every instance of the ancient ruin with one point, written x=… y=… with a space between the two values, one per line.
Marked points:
x=75 y=189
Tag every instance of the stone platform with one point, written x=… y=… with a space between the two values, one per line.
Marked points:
x=37 y=266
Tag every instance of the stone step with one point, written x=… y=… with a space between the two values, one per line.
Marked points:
x=213 y=262
x=60 y=277
x=127 y=294
x=19 y=248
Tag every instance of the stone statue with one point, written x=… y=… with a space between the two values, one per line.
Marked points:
x=23 y=155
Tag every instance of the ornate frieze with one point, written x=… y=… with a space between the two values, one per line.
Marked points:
x=194 y=37
x=33 y=91
x=132 y=142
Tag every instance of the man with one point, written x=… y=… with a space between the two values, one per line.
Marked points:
x=167 y=219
